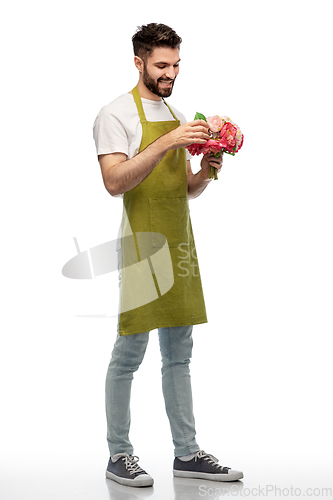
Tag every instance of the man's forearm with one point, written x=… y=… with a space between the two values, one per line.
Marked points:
x=128 y=174
x=197 y=183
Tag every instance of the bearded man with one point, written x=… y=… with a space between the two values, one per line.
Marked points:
x=140 y=142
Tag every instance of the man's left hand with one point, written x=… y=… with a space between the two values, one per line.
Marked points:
x=210 y=160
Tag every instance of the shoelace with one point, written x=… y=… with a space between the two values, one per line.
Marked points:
x=210 y=459
x=131 y=464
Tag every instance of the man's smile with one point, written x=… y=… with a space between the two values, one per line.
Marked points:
x=166 y=83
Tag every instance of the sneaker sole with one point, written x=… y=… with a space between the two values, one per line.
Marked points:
x=140 y=481
x=233 y=476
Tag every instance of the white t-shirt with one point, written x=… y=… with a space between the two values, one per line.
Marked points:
x=117 y=127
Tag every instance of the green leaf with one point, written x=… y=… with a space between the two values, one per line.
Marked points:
x=200 y=116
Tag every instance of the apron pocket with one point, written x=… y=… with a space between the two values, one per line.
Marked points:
x=171 y=218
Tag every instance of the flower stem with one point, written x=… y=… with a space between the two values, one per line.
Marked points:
x=212 y=173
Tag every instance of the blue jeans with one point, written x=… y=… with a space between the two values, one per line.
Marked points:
x=127 y=355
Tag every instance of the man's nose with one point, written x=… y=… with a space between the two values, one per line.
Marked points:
x=171 y=73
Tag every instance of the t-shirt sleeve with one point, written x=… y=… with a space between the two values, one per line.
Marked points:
x=109 y=134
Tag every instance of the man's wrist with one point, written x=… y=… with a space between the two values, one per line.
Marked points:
x=204 y=175
x=163 y=143
x=197 y=183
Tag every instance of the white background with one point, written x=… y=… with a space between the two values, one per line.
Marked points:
x=261 y=367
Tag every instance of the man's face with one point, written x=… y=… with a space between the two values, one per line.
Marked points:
x=160 y=71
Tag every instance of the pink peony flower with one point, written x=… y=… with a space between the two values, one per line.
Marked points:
x=211 y=146
x=228 y=137
x=194 y=149
x=215 y=123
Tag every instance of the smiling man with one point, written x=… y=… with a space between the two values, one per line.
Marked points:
x=140 y=143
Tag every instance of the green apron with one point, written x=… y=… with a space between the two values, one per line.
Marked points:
x=160 y=278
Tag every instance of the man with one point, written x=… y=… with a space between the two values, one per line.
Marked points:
x=141 y=144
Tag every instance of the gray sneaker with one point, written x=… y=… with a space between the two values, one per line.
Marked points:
x=124 y=469
x=204 y=466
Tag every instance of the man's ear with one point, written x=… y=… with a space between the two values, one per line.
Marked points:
x=138 y=63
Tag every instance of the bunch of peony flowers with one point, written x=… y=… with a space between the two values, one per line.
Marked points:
x=226 y=137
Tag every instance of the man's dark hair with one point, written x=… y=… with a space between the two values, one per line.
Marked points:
x=153 y=35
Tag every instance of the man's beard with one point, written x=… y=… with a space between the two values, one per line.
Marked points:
x=152 y=85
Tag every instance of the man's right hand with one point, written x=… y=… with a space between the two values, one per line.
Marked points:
x=188 y=133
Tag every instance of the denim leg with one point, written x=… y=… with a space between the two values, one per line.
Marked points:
x=127 y=355
x=176 y=350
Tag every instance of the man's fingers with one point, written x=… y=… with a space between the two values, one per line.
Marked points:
x=195 y=132
x=199 y=122
x=200 y=139
x=215 y=164
x=200 y=133
x=212 y=157
x=197 y=128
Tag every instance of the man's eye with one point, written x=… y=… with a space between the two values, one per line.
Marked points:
x=164 y=66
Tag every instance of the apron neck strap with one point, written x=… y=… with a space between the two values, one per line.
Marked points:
x=175 y=117
x=138 y=102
